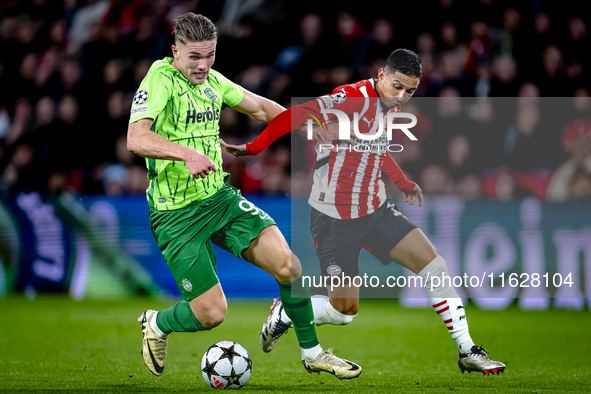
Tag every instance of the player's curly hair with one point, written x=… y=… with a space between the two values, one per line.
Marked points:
x=192 y=27
x=405 y=61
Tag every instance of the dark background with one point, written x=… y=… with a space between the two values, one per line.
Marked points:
x=68 y=71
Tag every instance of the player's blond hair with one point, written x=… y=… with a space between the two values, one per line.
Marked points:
x=192 y=27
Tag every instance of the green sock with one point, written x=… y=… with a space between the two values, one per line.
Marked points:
x=296 y=302
x=179 y=318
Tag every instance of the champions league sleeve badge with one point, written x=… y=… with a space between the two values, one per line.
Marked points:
x=140 y=97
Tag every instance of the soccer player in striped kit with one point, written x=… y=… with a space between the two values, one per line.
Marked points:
x=350 y=210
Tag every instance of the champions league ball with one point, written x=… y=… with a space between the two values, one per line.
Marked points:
x=226 y=365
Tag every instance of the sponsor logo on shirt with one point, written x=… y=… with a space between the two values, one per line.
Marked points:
x=210 y=114
x=136 y=110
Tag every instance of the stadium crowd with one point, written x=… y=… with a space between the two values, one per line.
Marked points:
x=503 y=105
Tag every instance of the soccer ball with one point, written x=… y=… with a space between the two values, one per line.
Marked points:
x=226 y=365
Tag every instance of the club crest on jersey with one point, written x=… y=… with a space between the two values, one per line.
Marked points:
x=140 y=97
x=338 y=98
x=187 y=284
x=334 y=269
x=210 y=94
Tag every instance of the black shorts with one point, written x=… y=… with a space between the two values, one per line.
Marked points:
x=338 y=242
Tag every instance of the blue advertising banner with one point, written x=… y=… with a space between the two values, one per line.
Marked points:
x=537 y=254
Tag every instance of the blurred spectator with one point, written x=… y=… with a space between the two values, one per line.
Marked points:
x=504 y=82
x=468 y=187
x=579 y=186
x=575 y=48
x=576 y=141
x=378 y=44
x=435 y=180
x=81 y=30
x=554 y=82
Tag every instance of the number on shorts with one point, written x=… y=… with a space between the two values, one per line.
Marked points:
x=247 y=206
x=395 y=211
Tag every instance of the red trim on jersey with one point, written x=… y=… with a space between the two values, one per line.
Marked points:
x=448 y=321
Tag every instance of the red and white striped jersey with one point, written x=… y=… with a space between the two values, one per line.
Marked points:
x=348 y=184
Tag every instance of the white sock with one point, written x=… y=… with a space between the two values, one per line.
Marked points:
x=447 y=303
x=312 y=353
x=154 y=326
x=324 y=313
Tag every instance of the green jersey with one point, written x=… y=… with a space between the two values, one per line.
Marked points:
x=186 y=114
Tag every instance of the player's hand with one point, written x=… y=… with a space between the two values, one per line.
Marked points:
x=236 y=150
x=329 y=136
x=412 y=197
x=200 y=165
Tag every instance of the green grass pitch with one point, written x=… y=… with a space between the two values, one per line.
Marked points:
x=54 y=344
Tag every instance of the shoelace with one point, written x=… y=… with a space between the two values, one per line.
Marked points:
x=160 y=350
x=280 y=328
x=328 y=353
x=482 y=352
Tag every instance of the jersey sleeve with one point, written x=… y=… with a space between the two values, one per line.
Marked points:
x=152 y=96
x=344 y=98
x=396 y=175
x=285 y=122
x=296 y=116
x=233 y=93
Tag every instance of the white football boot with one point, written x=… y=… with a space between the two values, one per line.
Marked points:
x=478 y=361
x=273 y=328
x=154 y=346
x=328 y=362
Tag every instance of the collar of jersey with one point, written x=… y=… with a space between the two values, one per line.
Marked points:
x=169 y=61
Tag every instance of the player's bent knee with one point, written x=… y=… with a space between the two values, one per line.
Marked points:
x=287 y=269
x=212 y=319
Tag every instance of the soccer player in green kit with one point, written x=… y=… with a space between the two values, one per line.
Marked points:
x=174 y=124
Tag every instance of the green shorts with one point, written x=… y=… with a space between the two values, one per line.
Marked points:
x=185 y=235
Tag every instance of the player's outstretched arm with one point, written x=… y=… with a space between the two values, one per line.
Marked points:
x=323 y=135
x=260 y=108
x=144 y=142
x=283 y=124
x=412 y=191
